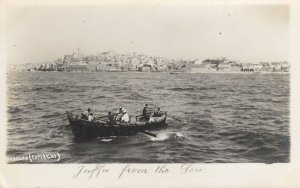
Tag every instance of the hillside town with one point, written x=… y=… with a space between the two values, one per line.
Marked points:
x=224 y=65
x=111 y=61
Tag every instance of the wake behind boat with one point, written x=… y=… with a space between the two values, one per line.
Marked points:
x=86 y=129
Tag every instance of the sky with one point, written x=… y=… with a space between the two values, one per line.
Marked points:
x=249 y=33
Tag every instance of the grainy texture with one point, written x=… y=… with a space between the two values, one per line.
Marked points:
x=225 y=117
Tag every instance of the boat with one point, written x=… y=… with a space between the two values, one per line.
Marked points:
x=84 y=129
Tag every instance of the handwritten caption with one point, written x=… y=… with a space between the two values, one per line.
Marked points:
x=96 y=171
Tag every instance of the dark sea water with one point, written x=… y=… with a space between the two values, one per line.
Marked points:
x=239 y=118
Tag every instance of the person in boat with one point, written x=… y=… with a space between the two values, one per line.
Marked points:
x=90 y=117
x=145 y=109
x=125 y=116
x=119 y=114
x=111 y=118
x=85 y=114
x=145 y=112
x=157 y=113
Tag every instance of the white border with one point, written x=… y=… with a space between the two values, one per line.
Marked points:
x=211 y=175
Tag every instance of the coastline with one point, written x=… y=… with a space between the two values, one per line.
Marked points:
x=139 y=72
x=235 y=72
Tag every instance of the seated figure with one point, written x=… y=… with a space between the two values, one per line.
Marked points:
x=157 y=113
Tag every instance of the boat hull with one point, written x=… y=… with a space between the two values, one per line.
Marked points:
x=83 y=129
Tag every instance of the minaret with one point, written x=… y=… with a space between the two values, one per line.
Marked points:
x=78 y=51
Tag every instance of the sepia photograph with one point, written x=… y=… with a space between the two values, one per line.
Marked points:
x=159 y=83
x=146 y=93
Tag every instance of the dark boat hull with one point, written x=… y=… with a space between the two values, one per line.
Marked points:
x=83 y=129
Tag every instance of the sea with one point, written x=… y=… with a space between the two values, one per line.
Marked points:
x=224 y=118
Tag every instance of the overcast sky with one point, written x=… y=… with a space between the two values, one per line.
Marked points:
x=248 y=33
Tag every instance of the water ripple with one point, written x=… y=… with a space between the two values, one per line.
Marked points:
x=224 y=117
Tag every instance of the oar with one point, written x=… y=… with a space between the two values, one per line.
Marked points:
x=174 y=118
x=106 y=116
x=148 y=133
x=102 y=117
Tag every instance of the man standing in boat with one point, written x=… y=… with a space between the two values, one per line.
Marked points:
x=145 y=112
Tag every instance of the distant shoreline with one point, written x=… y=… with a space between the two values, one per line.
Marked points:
x=171 y=73
x=224 y=72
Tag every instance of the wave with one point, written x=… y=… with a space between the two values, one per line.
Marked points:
x=35 y=89
x=246 y=108
x=15 y=119
x=166 y=136
x=264 y=150
x=263 y=100
x=28 y=105
x=244 y=135
x=100 y=97
x=55 y=114
x=228 y=90
x=48 y=145
x=183 y=89
x=193 y=103
x=216 y=126
x=55 y=89
x=12 y=109
x=192 y=88
x=105 y=140
x=207 y=88
x=160 y=137
x=136 y=96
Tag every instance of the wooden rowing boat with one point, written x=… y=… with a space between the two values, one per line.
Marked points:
x=84 y=129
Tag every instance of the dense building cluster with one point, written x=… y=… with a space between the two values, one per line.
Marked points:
x=116 y=62
x=111 y=62
x=224 y=65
